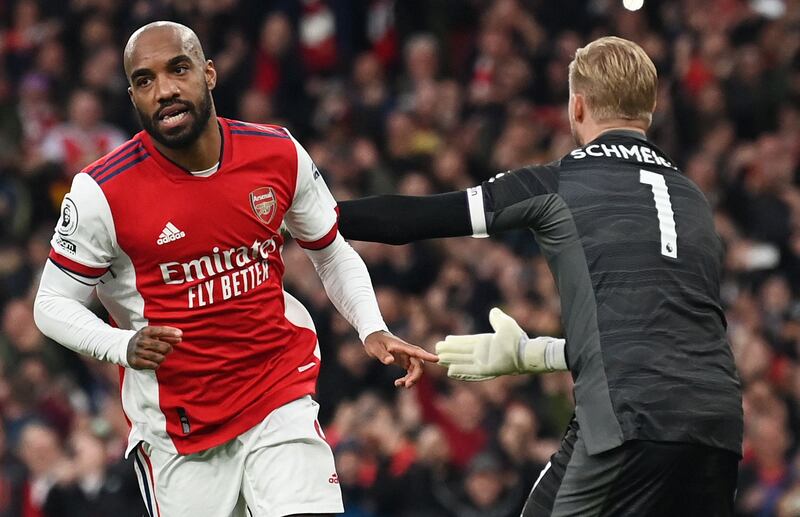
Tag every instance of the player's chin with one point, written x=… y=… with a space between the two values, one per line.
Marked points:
x=176 y=137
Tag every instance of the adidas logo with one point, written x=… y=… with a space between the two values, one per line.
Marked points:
x=170 y=233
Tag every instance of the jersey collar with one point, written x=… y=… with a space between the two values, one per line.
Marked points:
x=175 y=171
x=627 y=133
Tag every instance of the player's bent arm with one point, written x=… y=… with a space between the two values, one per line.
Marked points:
x=312 y=221
x=348 y=285
x=61 y=314
x=508 y=351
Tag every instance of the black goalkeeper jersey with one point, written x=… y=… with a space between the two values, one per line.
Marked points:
x=632 y=247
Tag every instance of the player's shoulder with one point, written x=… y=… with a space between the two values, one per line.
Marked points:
x=241 y=130
x=534 y=179
x=115 y=163
x=260 y=141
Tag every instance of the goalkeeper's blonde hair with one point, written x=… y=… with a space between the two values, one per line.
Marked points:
x=617 y=78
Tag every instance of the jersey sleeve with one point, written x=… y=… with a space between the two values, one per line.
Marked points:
x=312 y=218
x=84 y=241
x=512 y=199
x=393 y=219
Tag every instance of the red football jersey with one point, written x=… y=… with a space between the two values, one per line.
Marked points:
x=202 y=254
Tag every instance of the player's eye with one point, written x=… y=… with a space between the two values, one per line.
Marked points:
x=142 y=82
x=181 y=69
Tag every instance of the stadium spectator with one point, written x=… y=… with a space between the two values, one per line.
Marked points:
x=12 y=478
x=83 y=138
x=93 y=486
x=45 y=462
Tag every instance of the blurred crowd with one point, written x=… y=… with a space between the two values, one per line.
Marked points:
x=416 y=97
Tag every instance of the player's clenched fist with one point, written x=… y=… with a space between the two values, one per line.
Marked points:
x=148 y=348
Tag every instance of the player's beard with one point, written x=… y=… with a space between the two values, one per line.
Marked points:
x=199 y=115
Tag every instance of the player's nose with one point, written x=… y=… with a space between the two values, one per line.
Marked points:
x=166 y=89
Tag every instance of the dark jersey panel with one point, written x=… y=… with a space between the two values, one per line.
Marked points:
x=653 y=259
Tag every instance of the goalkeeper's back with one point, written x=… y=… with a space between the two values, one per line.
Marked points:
x=639 y=284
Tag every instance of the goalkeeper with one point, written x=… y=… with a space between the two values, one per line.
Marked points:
x=632 y=247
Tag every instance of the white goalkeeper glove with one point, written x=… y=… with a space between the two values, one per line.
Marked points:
x=508 y=351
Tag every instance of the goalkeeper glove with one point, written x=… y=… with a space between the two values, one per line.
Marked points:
x=508 y=351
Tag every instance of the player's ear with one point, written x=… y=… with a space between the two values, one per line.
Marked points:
x=211 y=75
x=578 y=107
x=130 y=93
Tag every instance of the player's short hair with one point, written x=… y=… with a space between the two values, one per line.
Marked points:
x=617 y=78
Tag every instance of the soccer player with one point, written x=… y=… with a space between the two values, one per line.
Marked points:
x=178 y=231
x=632 y=247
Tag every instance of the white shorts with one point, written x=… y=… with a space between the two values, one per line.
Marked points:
x=280 y=467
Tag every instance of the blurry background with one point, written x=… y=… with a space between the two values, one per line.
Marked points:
x=417 y=97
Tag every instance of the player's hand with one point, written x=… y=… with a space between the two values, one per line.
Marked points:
x=389 y=349
x=508 y=351
x=148 y=348
x=480 y=357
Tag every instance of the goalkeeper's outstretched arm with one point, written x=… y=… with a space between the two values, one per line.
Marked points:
x=522 y=198
x=393 y=219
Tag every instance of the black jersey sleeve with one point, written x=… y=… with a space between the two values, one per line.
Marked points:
x=513 y=199
x=403 y=219
x=517 y=199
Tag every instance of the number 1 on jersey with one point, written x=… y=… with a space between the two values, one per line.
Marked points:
x=666 y=217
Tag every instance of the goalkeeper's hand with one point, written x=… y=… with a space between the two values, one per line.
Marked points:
x=508 y=351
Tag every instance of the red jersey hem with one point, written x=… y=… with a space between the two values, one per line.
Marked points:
x=249 y=419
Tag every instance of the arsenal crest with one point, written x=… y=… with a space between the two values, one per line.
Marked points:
x=264 y=204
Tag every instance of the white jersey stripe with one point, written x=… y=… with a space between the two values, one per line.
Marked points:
x=477 y=214
x=541 y=475
x=299 y=316
x=140 y=394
